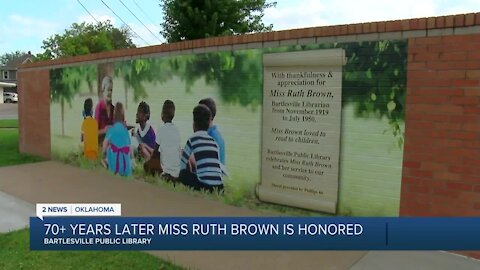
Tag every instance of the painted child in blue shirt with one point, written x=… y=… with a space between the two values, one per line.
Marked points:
x=117 y=144
x=144 y=132
x=213 y=130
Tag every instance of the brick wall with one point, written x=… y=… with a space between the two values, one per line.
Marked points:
x=34 y=112
x=441 y=166
x=441 y=172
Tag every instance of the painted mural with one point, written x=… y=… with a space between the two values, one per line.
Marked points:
x=373 y=106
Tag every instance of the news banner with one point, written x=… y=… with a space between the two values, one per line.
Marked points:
x=101 y=227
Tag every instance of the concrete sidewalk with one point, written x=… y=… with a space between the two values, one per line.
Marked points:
x=50 y=182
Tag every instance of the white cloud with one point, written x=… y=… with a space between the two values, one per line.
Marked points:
x=99 y=17
x=296 y=15
x=18 y=32
x=146 y=35
x=310 y=13
x=29 y=26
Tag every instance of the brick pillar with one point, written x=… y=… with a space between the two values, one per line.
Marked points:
x=34 y=112
x=441 y=167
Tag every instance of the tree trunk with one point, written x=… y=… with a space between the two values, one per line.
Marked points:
x=90 y=86
x=105 y=69
x=126 y=97
x=62 y=106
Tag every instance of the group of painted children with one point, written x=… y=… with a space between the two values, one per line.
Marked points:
x=200 y=164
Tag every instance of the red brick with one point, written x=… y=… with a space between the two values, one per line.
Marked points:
x=373 y=27
x=466 y=83
x=351 y=29
x=471 y=126
x=446 y=192
x=431 y=23
x=472 y=56
x=471 y=179
x=464 y=153
x=472 y=65
x=427 y=99
x=410 y=181
x=472 y=110
x=418 y=48
x=453 y=56
x=419 y=173
x=459 y=186
x=417 y=66
x=366 y=27
x=473 y=74
x=459 y=20
x=433 y=183
x=419 y=82
x=405 y=25
x=381 y=26
x=476 y=205
x=469 y=19
x=414 y=24
x=358 y=28
x=461 y=169
x=471 y=144
x=465 y=100
x=449 y=126
x=428 y=40
x=464 y=118
x=440 y=22
x=433 y=117
x=451 y=65
x=451 y=74
x=447 y=176
x=419 y=189
x=411 y=164
x=477 y=18
x=476 y=188
x=449 y=21
x=450 y=109
x=343 y=29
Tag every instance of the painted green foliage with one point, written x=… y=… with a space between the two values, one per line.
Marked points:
x=135 y=73
x=374 y=78
x=65 y=84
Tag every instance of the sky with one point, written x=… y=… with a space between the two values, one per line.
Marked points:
x=25 y=24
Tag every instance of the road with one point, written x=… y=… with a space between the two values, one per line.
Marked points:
x=8 y=111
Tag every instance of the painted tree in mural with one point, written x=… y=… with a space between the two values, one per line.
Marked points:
x=79 y=39
x=373 y=80
x=64 y=85
x=139 y=71
x=192 y=19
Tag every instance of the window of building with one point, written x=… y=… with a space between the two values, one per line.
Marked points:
x=5 y=74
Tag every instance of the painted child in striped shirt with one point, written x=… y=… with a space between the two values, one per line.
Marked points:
x=206 y=171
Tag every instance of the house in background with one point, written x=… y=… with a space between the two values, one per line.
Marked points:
x=8 y=73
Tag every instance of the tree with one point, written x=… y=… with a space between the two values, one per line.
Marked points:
x=193 y=19
x=80 y=39
x=7 y=57
x=84 y=38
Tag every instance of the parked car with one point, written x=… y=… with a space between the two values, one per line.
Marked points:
x=10 y=97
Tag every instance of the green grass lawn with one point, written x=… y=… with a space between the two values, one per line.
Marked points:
x=15 y=254
x=9 y=123
x=9 y=154
x=14 y=246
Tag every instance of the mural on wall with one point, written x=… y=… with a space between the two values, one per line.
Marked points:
x=373 y=105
